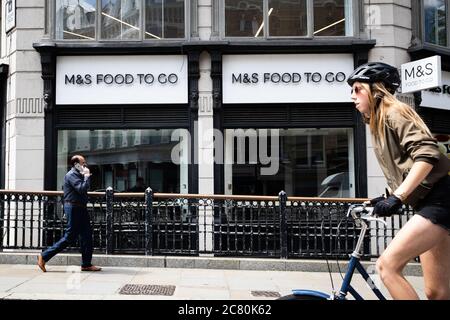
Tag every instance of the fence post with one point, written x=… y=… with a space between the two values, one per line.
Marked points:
x=109 y=219
x=148 y=222
x=282 y=197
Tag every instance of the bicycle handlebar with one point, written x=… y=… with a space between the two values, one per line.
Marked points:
x=363 y=212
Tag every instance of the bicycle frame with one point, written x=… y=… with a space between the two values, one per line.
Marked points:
x=354 y=264
x=346 y=286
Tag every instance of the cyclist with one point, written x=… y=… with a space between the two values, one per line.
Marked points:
x=416 y=173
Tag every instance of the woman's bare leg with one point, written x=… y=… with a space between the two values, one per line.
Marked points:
x=416 y=237
x=436 y=270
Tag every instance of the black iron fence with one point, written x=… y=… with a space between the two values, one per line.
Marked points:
x=173 y=224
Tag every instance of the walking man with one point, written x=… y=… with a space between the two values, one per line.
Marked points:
x=76 y=185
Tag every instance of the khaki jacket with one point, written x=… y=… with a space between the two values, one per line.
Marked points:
x=405 y=144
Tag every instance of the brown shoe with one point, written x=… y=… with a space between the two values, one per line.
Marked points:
x=41 y=263
x=91 y=268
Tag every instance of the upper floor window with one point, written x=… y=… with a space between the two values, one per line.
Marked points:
x=164 y=19
x=120 y=19
x=75 y=19
x=288 y=18
x=435 y=22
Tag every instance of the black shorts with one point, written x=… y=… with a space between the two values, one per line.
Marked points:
x=436 y=205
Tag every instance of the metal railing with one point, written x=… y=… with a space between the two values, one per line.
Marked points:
x=191 y=224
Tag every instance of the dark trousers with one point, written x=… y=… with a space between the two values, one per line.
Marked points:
x=78 y=224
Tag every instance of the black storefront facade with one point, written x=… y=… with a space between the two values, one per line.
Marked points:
x=303 y=126
x=88 y=122
x=119 y=138
x=307 y=124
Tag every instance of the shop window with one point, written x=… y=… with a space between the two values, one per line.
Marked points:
x=244 y=18
x=75 y=20
x=435 y=22
x=120 y=19
x=164 y=19
x=309 y=162
x=330 y=17
x=153 y=19
x=127 y=160
x=287 y=18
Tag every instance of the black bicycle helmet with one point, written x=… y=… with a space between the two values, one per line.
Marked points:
x=376 y=72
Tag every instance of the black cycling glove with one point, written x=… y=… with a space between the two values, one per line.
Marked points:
x=387 y=207
x=374 y=201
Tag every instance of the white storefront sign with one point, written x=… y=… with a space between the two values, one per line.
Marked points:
x=121 y=80
x=438 y=97
x=287 y=78
x=10 y=15
x=421 y=74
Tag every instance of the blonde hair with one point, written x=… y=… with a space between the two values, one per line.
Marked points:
x=378 y=115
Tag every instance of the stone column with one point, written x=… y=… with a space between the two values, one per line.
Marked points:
x=205 y=142
x=24 y=158
x=390 y=24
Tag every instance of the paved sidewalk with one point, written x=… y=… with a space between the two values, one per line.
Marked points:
x=68 y=283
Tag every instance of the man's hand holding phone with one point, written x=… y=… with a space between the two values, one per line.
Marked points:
x=83 y=169
x=86 y=172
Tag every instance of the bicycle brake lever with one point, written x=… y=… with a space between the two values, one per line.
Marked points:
x=355 y=207
x=374 y=219
x=369 y=216
x=350 y=209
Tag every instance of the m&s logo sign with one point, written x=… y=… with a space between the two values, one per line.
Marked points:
x=421 y=74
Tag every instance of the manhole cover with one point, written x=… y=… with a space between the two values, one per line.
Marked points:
x=270 y=294
x=145 y=289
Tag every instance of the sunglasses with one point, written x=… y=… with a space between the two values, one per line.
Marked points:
x=356 y=90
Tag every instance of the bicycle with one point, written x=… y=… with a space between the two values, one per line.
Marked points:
x=360 y=213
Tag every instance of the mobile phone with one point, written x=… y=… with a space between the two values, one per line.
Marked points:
x=79 y=167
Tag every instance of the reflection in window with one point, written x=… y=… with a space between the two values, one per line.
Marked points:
x=312 y=163
x=435 y=22
x=120 y=19
x=153 y=19
x=173 y=19
x=127 y=160
x=173 y=25
x=244 y=18
x=75 y=19
x=287 y=18
x=330 y=17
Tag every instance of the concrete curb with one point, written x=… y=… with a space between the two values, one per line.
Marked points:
x=202 y=262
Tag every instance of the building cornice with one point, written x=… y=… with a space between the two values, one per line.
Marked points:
x=225 y=46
